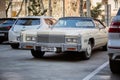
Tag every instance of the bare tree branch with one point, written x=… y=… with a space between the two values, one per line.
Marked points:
x=9 y=4
x=37 y=7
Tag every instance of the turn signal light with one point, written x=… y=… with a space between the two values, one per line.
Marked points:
x=71 y=49
x=29 y=47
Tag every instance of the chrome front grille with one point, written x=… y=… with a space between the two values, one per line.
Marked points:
x=50 y=38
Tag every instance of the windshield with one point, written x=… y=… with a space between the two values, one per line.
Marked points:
x=28 y=21
x=74 y=23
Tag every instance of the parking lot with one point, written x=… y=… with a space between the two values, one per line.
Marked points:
x=59 y=39
x=17 y=64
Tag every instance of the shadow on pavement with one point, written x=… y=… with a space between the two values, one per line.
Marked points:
x=67 y=56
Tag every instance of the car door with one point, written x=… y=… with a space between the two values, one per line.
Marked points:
x=102 y=33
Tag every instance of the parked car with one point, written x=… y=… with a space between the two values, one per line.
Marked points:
x=114 y=44
x=5 y=25
x=28 y=23
x=74 y=34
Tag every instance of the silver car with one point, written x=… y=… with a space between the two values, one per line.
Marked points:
x=114 y=44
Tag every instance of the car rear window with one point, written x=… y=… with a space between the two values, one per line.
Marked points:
x=1 y=21
x=28 y=21
x=9 y=22
x=74 y=23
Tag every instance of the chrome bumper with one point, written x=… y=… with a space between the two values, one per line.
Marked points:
x=27 y=45
x=48 y=47
x=114 y=54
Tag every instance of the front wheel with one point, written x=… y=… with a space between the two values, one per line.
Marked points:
x=87 y=54
x=37 y=53
x=104 y=48
x=14 y=46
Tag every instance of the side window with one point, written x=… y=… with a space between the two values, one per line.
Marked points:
x=96 y=24
x=99 y=24
x=48 y=21
x=54 y=21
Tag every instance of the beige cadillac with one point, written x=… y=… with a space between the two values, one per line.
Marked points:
x=69 y=34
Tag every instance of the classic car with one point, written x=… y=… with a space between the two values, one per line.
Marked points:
x=28 y=23
x=74 y=34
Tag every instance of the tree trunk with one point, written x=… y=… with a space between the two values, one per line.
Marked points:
x=63 y=8
x=81 y=7
x=20 y=8
x=50 y=8
x=88 y=8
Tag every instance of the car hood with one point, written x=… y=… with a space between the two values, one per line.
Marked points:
x=70 y=31
x=30 y=32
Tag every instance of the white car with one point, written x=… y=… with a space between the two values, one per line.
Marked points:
x=28 y=23
x=74 y=34
x=114 y=44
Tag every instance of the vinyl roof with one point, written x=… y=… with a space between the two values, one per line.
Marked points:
x=77 y=17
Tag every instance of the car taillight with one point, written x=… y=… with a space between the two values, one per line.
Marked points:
x=8 y=27
x=114 y=27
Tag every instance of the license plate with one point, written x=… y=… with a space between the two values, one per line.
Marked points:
x=1 y=34
x=51 y=49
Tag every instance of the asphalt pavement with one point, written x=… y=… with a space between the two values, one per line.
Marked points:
x=17 y=64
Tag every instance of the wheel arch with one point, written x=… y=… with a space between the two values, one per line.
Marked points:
x=92 y=42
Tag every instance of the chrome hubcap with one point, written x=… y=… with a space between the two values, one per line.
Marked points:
x=89 y=50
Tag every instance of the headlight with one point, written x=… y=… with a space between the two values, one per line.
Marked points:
x=30 y=38
x=71 y=40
